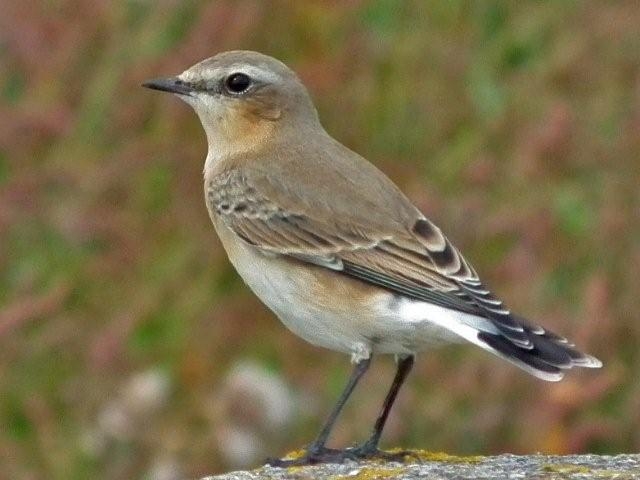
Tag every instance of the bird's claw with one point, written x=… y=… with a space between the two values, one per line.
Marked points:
x=314 y=456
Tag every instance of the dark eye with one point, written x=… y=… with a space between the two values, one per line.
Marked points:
x=237 y=83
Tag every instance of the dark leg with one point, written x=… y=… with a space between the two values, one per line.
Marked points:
x=317 y=452
x=370 y=447
x=359 y=370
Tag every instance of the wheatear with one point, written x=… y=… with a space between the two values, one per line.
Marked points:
x=332 y=246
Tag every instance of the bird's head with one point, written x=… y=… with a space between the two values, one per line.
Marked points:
x=241 y=97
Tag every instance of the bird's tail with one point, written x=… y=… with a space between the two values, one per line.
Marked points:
x=547 y=358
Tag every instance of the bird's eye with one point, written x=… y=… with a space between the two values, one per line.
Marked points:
x=237 y=83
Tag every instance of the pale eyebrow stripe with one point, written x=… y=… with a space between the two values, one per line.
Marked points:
x=254 y=72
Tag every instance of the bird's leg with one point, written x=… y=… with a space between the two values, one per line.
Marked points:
x=316 y=452
x=370 y=447
x=359 y=370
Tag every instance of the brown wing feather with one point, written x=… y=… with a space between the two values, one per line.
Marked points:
x=418 y=261
x=398 y=263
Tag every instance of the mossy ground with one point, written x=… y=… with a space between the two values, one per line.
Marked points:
x=410 y=456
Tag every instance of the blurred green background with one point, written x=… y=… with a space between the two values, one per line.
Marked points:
x=129 y=348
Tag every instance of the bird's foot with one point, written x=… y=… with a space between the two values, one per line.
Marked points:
x=370 y=450
x=317 y=455
x=310 y=456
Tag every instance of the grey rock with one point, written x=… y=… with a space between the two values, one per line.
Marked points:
x=442 y=466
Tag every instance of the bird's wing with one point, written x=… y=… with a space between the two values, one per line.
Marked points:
x=418 y=262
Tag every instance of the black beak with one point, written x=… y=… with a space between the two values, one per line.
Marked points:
x=170 y=84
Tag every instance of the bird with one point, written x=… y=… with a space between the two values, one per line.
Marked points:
x=333 y=247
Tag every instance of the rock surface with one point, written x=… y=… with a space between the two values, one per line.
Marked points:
x=435 y=466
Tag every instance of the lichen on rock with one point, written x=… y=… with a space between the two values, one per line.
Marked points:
x=443 y=466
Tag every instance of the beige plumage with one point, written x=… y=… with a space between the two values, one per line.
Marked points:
x=327 y=241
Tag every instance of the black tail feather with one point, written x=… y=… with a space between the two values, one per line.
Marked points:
x=550 y=355
x=510 y=350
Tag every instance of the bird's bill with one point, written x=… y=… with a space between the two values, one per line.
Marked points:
x=169 y=84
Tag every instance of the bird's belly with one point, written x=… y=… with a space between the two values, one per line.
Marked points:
x=328 y=309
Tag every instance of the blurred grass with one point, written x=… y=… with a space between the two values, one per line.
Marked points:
x=515 y=126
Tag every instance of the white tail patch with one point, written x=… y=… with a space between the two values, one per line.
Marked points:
x=467 y=327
